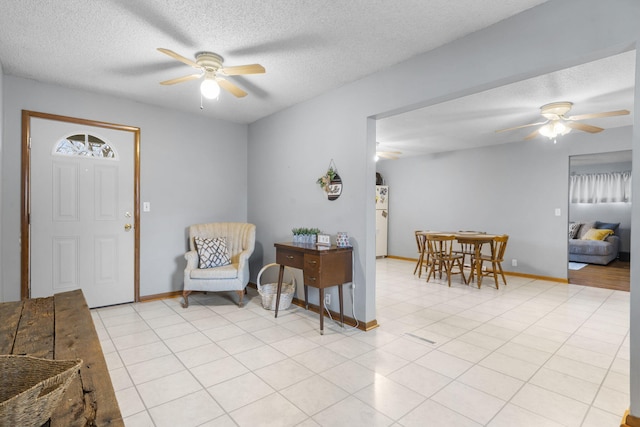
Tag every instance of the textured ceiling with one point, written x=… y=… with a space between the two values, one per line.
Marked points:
x=307 y=46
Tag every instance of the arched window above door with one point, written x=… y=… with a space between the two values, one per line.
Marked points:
x=85 y=145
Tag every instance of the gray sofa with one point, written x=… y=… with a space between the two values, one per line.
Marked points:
x=593 y=251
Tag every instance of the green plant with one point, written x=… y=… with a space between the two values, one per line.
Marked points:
x=305 y=231
x=325 y=179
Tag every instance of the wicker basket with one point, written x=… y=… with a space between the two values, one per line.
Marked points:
x=30 y=388
x=268 y=291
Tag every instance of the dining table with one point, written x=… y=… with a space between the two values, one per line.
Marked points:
x=474 y=238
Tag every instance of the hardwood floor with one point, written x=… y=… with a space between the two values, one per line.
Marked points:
x=615 y=275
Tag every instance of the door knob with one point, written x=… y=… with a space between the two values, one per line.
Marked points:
x=127 y=227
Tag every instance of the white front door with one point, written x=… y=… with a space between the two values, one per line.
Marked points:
x=82 y=211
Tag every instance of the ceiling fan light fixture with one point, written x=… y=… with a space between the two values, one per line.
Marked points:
x=209 y=88
x=553 y=129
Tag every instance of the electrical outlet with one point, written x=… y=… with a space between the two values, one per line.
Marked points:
x=327 y=299
x=514 y=262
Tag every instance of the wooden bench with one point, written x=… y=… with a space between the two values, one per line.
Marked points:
x=61 y=327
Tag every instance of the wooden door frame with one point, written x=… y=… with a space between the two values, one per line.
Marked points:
x=25 y=199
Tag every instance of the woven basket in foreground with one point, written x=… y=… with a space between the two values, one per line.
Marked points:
x=268 y=291
x=30 y=388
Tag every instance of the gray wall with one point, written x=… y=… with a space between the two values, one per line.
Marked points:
x=290 y=149
x=605 y=212
x=512 y=189
x=193 y=169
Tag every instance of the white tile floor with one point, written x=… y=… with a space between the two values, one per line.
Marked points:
x=533 y=353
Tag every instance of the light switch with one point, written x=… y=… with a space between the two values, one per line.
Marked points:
x=146 y=207
x=557 y=211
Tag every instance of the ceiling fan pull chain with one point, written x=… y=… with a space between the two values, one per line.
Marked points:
x=201 y=106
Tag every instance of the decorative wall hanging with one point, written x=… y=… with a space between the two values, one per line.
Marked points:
x=331 y=182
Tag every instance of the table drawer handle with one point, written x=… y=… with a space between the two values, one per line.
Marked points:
x=290 y=256
x=313 y=279
x=312 y=261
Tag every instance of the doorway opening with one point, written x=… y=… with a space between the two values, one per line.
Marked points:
x=598 y=199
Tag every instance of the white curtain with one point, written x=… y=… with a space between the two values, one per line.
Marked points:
x=608 y=187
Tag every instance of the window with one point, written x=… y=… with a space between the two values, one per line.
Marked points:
x=611 y=187
x=85 y=145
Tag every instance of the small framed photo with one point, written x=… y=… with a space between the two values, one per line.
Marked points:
x=323 y=240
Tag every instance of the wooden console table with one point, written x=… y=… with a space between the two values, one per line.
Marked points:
x=321 y=268
x=61 y=327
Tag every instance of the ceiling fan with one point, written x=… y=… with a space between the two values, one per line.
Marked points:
x=210 y=67
x=392 y=155
x=558 y=123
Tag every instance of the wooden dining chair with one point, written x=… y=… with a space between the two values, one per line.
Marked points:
x=468 y=252
x=431 y=263
x=496 y=258
x=422 y=252
x=441 y=251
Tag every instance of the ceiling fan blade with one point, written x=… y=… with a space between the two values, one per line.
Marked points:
x=230 y=87
x=179 y=57
x=532 y=135
x=181 y=79
x=387 y=155
x=242 y=69
x=598 y=115
x=522 y=126
x=583 y=127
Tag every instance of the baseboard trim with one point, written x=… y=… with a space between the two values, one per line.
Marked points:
x=363 y=326
x=537 y=277
x=165 y=295
x=629 y=420
x=402 y=258
x=506 y=273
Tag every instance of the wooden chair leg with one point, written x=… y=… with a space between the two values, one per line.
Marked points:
x=185 y=295
x=418 y=265
x=240 y=296
x=448 y=267
x=504 y=280
x=464 y=279
x=430 y=271
x=494 y=266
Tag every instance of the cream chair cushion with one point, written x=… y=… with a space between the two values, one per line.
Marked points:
x=240 y=239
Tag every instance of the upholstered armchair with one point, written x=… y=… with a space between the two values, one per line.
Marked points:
x=218 y=259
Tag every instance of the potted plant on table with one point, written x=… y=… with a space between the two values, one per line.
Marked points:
x=305 y=235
